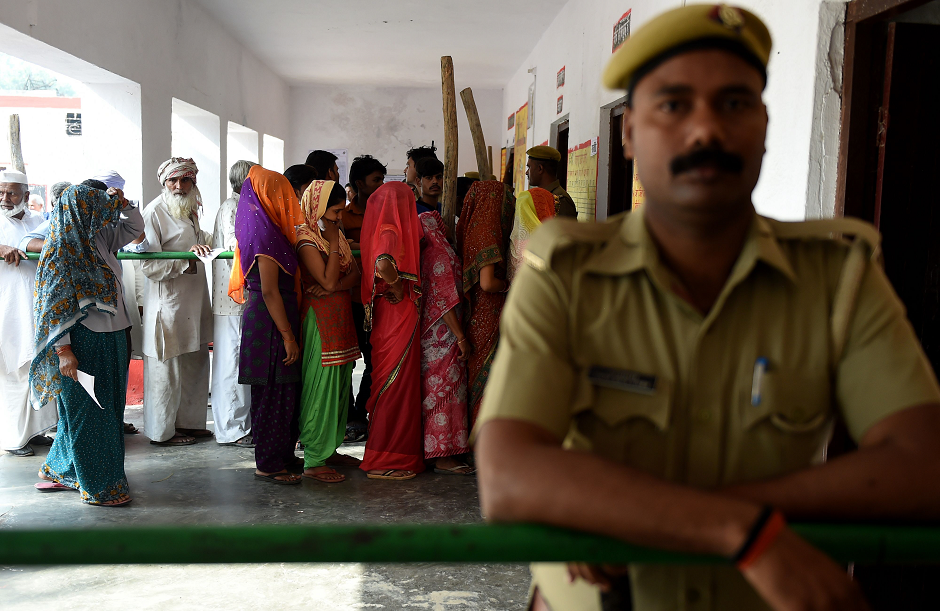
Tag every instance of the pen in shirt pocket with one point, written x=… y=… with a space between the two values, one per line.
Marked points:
x=760 y=368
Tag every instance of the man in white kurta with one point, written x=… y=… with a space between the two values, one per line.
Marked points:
x=231 y=401
x=19 y=423
x=177 y=324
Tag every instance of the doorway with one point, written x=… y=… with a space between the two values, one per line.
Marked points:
x=558 y=139
x=620 y=194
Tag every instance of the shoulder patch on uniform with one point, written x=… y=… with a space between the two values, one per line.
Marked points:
x=558 y=233
x=827 y=229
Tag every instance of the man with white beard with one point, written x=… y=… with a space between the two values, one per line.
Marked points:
x=19 y=423
x=177 y=321
x=231 y=401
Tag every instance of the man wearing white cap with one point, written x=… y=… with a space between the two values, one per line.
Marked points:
x=18 y=422
x=177 y=321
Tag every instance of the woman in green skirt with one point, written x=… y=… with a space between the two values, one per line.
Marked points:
x=330 y=344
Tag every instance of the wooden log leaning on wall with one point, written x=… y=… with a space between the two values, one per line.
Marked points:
x=476 y=130
x=16 y=149
x=450 y=145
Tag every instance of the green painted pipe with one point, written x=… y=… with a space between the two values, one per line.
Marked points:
x=459 y=543
x=228 y=254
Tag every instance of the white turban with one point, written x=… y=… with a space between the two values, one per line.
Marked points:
x=13 y=176
x=177 y=167
x=110 y=178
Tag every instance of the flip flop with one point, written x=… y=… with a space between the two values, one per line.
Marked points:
x=119 y=504
x=342 y=460
x=197 y=433
x=52 y=487
x=130 y=429
x=283 y=482
x=241 y=443
x=456 y=470
x=169 y=442
x=319 y=478
x=388 y=475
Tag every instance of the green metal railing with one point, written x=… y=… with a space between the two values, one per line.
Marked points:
x=463 y=543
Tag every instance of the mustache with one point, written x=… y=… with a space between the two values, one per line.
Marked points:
x=723 y=160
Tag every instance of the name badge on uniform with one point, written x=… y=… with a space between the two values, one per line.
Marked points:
x=622 y=379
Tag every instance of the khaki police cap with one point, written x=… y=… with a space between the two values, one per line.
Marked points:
x=545 y=153
x=472 y=175
x=683 y=26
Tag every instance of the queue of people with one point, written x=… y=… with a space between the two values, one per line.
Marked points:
x=322 y=276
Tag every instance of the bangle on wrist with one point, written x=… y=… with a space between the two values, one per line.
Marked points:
x=760 y=537
x=66 y=349
x=290 y=340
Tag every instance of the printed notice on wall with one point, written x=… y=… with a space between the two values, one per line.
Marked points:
x=621 y=30
x=582 y=180
x=639 y=194
x=518 y=169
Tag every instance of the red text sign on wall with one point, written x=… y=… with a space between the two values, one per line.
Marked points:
x=621 y=31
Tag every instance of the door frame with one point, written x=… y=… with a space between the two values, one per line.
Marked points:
x=602 y=200
x=862 y=92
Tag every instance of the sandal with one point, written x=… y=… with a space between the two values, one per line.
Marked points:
x=389 y=475
x=184 y=440
x=355 y=433
x=197 y=433
x=119 y=503
x=244 y=442
x=458 y=470
x=328 y=476
x=342 y=460
x=273 y=478
x=130 y=429
x=52 y=487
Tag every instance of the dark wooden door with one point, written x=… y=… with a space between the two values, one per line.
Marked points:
x=620 y=198
x=562 y=146
x=907 y=199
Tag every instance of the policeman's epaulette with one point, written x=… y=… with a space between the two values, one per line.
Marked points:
x=848 y=229
x=558 y=233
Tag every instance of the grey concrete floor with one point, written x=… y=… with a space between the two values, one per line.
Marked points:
x=211 y=484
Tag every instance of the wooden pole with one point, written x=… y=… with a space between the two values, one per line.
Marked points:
x=16 y=150
x=476 y=130
x=490 y=155
x=450 y=145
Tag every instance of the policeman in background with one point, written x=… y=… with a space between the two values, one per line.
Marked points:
x=670 y=377
x=542 y=170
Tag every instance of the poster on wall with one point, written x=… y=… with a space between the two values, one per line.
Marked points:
x=621 y=31
x=502 y=164
x=511 y=122
x=560 y=104
x=582 y=180
x=518 y=171
x=639 y=194
x=560 y=78
x=342 y=162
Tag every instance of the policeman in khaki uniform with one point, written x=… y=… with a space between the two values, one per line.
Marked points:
x=671 y=377
x=542 y=170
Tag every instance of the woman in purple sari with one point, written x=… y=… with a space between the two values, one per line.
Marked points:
x=266 y=265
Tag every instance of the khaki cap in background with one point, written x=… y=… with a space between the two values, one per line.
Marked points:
x=545 y=153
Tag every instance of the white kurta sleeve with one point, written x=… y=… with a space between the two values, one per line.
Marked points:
x=155 y=269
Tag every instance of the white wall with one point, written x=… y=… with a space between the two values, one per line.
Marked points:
x=803 y=91
x=385 y=122
x=171 y=48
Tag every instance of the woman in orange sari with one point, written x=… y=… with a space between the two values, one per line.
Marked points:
x=391 y=291
x=483 y=243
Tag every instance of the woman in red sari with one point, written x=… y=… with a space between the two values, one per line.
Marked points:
x=483 y=243
x=391 y=291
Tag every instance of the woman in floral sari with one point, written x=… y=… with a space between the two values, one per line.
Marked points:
x=483 y=243
x=533 y=207
x=391 y=290
x=444 y=351
x=266 y=265
x=71 y=280
x=330 y=344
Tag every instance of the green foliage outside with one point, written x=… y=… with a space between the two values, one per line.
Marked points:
x=18 y=75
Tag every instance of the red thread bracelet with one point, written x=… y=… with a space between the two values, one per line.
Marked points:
x=768 y=534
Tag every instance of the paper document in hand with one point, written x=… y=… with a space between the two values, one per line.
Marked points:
x=212 y=255
x=88 y=383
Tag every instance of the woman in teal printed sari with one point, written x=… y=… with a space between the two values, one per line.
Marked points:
x=72 y=280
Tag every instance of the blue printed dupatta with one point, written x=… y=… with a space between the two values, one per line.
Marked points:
x=71 y=279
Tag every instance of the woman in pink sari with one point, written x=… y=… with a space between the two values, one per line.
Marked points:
x=444 y=351
x=391 y=291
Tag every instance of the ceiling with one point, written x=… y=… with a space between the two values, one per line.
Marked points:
x=388 y=42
